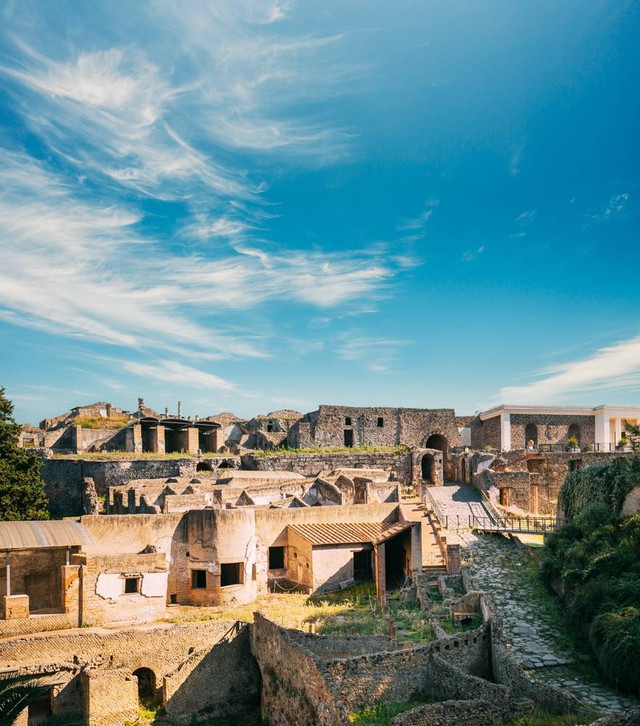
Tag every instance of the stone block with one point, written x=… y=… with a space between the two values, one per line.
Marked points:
x=16 y=606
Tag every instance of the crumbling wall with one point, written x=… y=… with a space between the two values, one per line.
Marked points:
x=294 y=690
x=315 y=464
x=453 y=713
x=220 y=681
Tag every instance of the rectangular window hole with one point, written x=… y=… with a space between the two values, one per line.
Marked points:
x=131 y=585
x=380 y=422
x=276 y=558
x=198 y=579
x=231 y=574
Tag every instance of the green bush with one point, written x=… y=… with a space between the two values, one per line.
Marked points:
x=607 y=483
x=593 y=563
x=615 y=639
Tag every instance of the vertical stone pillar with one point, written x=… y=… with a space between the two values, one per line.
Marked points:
x=71 y=596
x=416 y=549
x=454 y=559
x=193 y=440
x=160 y=439
x=133 y=438
x=76 y=437
x=618 y=430
x=217 y=436
x=381 y=577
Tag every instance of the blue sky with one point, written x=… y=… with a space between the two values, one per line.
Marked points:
x=255 y=205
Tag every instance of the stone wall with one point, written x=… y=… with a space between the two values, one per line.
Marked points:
x=375 y=426
x=110 y=696
x=219 y=681
x=552 y=429
x=335 y=646
x=314 y=464
x=452 y=713
x=294 y=690
x=63 y=477
x=93 y=668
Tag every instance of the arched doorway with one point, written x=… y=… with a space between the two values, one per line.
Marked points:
x=531 y=435
x=439 y=442
x=146 y=683
x=574 y=433
x=427 y=467
x=463 y=467
x=204 y=466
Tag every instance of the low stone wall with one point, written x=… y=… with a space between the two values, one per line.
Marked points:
x=313 y=464
x=452 y=713
x=507 y=671
x=219 y=681
x=294 y=690
x=63 y=478
x=206 y=666
x=334 y=646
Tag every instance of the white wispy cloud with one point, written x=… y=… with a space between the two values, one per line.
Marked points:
x=419 y=222
x=471 y=255
x=378 y=355
x=176 y=372
x=83 y=269
x=616 y=206
x=515 y=158
x=612 y=367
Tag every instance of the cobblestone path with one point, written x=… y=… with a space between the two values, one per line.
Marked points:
x=456 y=503
x=536 y=634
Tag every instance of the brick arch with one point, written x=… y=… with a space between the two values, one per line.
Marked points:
x=435 y=432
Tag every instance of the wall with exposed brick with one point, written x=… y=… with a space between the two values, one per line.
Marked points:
x=453 y=713
x=552 y=429
x=314 y=464
x=294 y=690
x=219 y=681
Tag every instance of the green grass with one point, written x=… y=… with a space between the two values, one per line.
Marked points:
x=249 y=719
x=382 y=713
x=540 y=717
x=364 y=449
x=96 y=422
x=124 y=455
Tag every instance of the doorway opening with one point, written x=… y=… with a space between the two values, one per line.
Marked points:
x=362 y=566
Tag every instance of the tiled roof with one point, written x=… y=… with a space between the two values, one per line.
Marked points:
x=28 y=535
x=349 y=532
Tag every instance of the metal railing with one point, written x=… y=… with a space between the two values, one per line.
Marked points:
x=584 y=449
x=524 y=525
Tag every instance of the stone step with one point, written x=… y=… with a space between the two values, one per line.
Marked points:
x=523 y=705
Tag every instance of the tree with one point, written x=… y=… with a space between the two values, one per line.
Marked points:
x=18 y=692
x=21 y=488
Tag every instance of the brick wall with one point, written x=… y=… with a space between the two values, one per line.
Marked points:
x=314 y=464
x=219 y=681
x=294 y=690
x=452 y=713
x=552 y=429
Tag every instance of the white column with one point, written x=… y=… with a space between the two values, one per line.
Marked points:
x=618 y=430
x=602 y=431
x=505 y=431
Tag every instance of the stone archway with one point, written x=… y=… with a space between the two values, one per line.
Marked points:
x=437 y=440
x=427 y=468
x=146 y=683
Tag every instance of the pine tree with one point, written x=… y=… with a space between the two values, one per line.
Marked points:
x=21 y=488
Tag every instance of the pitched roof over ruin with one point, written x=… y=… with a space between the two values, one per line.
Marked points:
x=330 y=533
x=32 y=535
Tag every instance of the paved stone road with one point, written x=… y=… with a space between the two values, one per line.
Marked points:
x=499 y=567
x=456 y=503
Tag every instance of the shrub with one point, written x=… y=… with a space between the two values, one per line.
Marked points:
x=615 y=639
